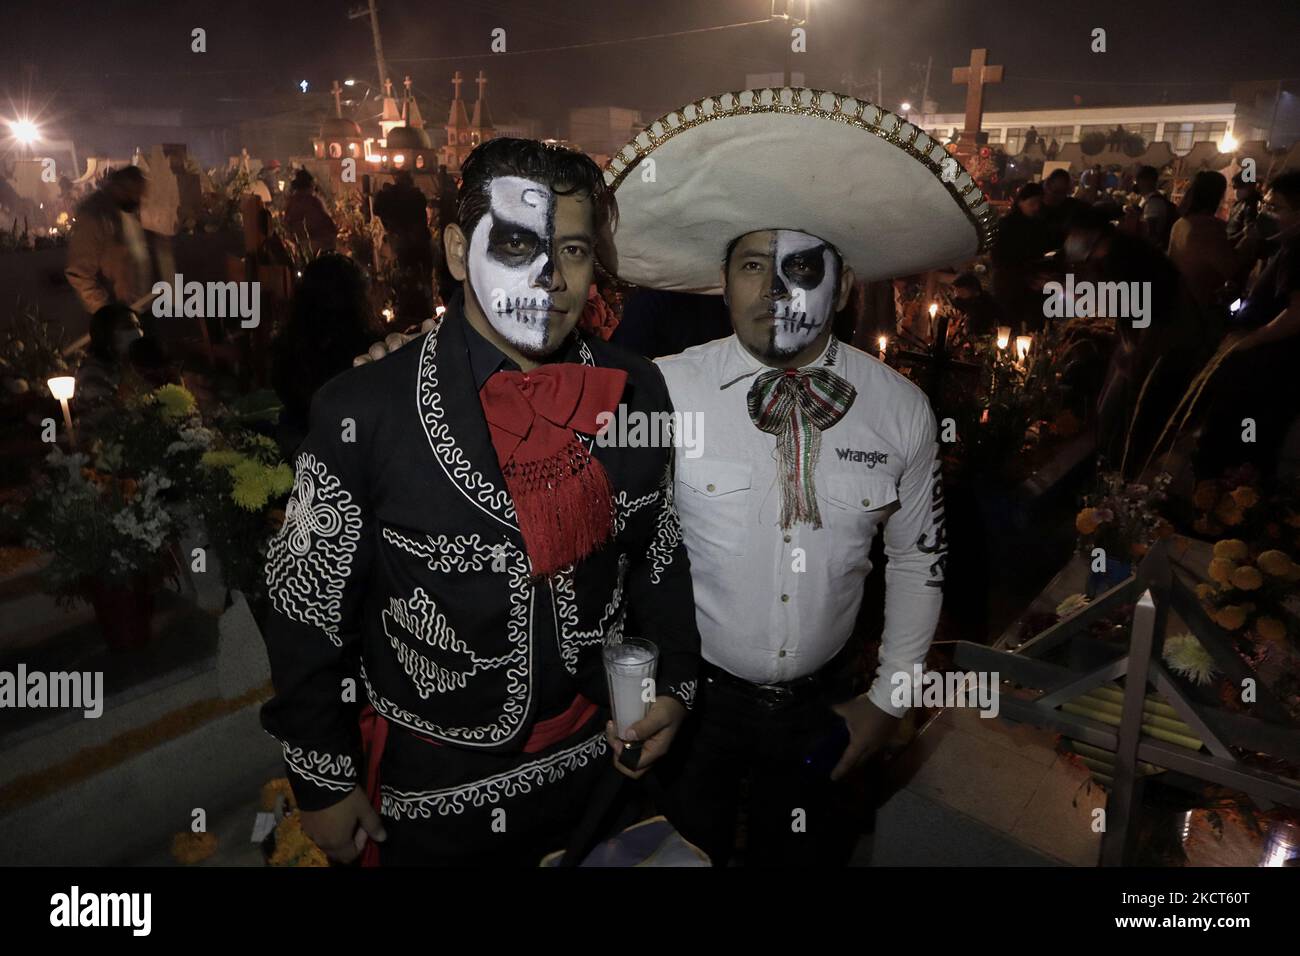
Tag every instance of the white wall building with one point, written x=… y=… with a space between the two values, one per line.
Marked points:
x=1180 y=125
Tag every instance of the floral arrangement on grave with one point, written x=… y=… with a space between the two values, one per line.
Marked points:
x=31 y=351
x=109 y=515
x=1123 y=518
x=109 y=538
x=1253 y=591
x=240 y=492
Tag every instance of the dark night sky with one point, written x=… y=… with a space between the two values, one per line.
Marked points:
x=139 y=52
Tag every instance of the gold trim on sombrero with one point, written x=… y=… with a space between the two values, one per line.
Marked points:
x=824 y=104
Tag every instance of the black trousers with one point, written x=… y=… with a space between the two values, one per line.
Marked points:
x=737 y=752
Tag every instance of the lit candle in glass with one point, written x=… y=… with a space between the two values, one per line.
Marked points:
x=1004 y=336
x=62 y=387
x=1023 y=342
x=883 y=343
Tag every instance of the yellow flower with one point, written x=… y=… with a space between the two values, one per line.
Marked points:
x=1247 y=578
x=221 y=459
x=1234 y=549
x=193 y=847
x=1274 y=562
x=1204 y=591
x=175 y=401
x=1245 y=496
x=1221 y=570
x=1271 y=630
x=1205 y=495
x=1231 y=617
x=280 y=479
x=1086 y=522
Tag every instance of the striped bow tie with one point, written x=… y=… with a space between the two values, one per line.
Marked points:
x=797 y=405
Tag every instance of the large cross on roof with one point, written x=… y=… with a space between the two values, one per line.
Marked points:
x=975 y=76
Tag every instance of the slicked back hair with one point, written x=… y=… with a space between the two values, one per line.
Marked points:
x=566 y=171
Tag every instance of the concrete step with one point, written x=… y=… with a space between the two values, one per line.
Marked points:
x=132 y=809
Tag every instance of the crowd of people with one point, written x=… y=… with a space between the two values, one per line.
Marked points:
x=1221 y=273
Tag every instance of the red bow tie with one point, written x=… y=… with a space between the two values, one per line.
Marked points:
x=561 y=494
x=532 y=415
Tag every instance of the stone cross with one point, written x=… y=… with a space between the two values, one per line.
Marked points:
x=482 y=82
x=338 y=103
x=456 y=80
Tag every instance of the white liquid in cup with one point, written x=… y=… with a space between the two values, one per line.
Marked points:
x=628 y=667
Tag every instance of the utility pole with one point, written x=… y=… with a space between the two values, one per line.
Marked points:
x=925 y=90
x=880 y=86
x=373 y=12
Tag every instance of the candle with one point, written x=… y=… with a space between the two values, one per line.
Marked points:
x=62 y=387
x=1004 y=336
x=629 y=671
x=883 y=342
x=1023 y=342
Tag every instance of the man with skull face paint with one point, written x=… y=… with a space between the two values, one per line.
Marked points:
x=454 y=524
x=810 y=446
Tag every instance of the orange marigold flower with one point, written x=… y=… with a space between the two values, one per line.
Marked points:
x=1204 y=591
x=1247 y=578
x=1086 y=522
x=1245 y=496
x=1234 y=549
x=1274 y=562
x=193 y=847
x=1221 y=570
x=1228 y=512
x=1231 y=617
x=1271 y=630
x=1206 y=493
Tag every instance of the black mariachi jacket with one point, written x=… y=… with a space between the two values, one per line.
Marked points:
x=400 y=542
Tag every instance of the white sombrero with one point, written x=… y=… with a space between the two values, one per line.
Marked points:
x=886 y=194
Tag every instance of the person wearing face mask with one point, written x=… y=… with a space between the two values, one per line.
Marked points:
x=779 y=201
x=109 y=256
x=455 y=526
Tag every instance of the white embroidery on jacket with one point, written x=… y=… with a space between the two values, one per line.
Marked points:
x=309 y=559
x=685 y=692
x=610 y=628
x=518 y=664
x=331 y=771
x=423 y=804
x=668 y=533
x=418 y=618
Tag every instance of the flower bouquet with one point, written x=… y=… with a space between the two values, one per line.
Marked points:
x=1123 y=520
x=240 y=488
x=108 y=535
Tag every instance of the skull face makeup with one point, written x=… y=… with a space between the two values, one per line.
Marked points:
x=803 y=289
x=511 y=262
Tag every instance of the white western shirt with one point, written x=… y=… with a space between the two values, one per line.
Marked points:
x=776 y=605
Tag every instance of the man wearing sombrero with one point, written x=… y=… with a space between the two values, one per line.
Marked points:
x=781 y=200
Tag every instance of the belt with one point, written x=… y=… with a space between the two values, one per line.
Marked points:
x=784 y=692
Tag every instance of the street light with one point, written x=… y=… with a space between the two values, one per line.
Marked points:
x=906 y=107
x=24 y=131
x=349 y=82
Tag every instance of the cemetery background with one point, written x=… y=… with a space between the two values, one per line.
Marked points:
x=180 y=729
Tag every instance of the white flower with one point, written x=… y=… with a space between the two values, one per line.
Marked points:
x=1185 y=655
